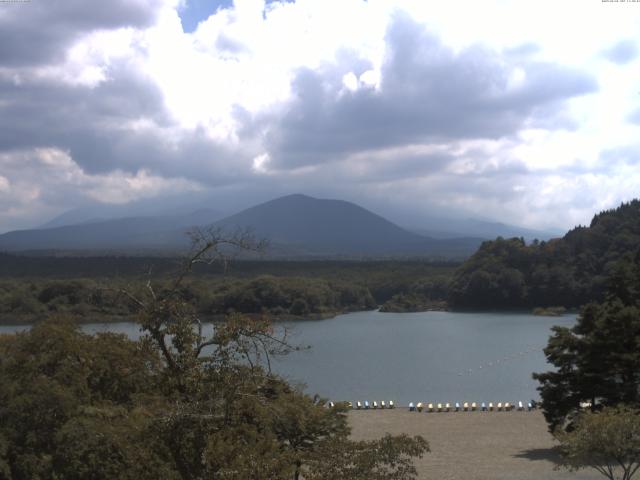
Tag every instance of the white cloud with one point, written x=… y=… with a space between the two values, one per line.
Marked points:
x=260 y=163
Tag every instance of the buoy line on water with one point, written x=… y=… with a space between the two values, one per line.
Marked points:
x=501 y=361
x=447 y=407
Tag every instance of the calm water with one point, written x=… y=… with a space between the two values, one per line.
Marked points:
x=429 y=356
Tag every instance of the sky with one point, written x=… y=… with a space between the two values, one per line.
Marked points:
x=526 y=112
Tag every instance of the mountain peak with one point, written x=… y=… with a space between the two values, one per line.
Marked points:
x=327 y=227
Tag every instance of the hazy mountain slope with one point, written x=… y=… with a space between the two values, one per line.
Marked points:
x=296 y=226
x=190 y=213
x=336 y=226
x=455 y=228
x=122 y=234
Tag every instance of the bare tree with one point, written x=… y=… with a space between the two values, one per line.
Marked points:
x=174 y=326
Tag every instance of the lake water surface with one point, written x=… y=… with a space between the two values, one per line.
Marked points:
x=427 y=356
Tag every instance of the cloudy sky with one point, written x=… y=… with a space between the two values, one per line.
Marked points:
x=522 y=111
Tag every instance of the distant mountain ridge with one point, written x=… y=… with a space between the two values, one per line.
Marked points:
x=170 y=207
x=450 y=228
x=296 y=225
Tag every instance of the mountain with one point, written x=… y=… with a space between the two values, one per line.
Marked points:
x=568 y=271
x=131 y=233
x=103 y=213
x=295 y=225
x=455 y=228
x=336 y=227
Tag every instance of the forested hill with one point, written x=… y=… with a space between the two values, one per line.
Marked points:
x=569 y=271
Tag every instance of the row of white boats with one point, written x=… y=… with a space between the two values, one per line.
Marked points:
x=471 y=407
x=445 y=407
x=366 y=405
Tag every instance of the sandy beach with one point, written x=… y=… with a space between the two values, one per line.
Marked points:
x=473 y=445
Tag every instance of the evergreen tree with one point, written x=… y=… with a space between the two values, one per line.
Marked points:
x=598 y=360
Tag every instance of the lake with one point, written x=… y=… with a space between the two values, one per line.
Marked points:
x=411 y=357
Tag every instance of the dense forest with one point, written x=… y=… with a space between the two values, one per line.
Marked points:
x=502 y=274
x=569 y=271
x=279 y=289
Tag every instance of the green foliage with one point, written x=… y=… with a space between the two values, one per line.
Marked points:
x=176 y=404
x=54 y=381
x=425 y=294
x=549 y=311
x=607 y=441
x=286 y=289
x=101 y=407
x=390 y=458
x=598 y=360
x=295 y=296
x=570 y=271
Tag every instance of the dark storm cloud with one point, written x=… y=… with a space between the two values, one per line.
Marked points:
x=44 y=113
x=622 y=52
x=428 y=93
x=94 y=126
x=370 y=169
x=39 y=32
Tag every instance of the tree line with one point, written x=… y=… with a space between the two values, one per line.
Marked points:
x=283 y=291
x=570 y=271
x=591 y=399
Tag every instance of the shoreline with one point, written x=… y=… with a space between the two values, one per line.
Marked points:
x=511 y=445
x=9 y=319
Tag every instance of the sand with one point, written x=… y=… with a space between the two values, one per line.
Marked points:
x=473 y=445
